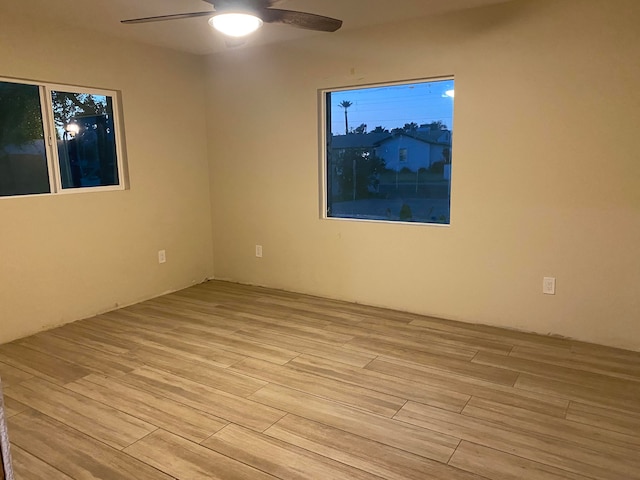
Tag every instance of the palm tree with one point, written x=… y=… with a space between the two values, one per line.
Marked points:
x=346 y=104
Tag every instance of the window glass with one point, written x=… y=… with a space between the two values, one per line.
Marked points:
x=388 y=152
x=73 y=146
x=86 y=140
x=23 y=160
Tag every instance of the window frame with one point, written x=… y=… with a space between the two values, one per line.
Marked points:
x=403 y=155
x=50 y=141
x=324 y=175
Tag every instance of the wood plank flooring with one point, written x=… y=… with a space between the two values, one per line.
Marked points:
x=223 y=381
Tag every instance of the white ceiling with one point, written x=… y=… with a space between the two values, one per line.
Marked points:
x=195 y=36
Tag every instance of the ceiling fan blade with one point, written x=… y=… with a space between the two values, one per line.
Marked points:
x=310 y=21
x=162 y=18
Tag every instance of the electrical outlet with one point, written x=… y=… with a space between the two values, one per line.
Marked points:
x=549 y=285
x=259 y=251
x=162 y=256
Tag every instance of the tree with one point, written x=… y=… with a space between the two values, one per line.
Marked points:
x=437 y=125
x=379 y=129
x=20 y=114
x=361 y=129
x=410 y=127
x=405 y=213
x=359 y=172
x=67 y=106
x=346 y=104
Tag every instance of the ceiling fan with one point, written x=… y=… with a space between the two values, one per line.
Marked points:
x=248 y=16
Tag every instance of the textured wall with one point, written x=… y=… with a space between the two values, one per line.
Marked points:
x=545 y=169
x=71 y=256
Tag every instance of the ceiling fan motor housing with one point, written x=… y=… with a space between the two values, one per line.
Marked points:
x=254 y=7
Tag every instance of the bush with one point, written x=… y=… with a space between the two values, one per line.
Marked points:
x=405 y=213
x=437 y=167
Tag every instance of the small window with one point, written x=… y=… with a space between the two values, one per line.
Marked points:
x=57 y=138
x=85 y=137
x=388 y=152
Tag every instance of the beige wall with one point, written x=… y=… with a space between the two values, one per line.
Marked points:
x=545 y=178
x=71 y=256
x=546 y=172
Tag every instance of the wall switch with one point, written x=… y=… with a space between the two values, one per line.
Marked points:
x=549 y=285
x=259 y=251
x=162 y=256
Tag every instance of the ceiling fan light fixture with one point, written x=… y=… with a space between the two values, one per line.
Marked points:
x=235 y=24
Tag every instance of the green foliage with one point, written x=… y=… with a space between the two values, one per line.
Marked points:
x=358 y=169
x=67 y=105
x=361 y=129
x=410 y=127
x=405 y=213
x=20 y=114
x=346 y=104
x=437 y=125
x=437 y=167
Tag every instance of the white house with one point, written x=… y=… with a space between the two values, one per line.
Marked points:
x=412 y=150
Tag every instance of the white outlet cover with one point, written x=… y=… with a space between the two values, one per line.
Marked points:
x=549 y=285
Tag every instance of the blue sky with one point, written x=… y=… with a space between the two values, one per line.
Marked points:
x=393 y=105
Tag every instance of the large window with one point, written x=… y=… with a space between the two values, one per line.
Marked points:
x=56 y=139
x=388 y=152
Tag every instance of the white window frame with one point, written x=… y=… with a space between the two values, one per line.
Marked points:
x=323 y=163
x=51 y=148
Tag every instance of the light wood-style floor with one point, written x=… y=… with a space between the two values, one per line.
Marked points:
x=222 y=381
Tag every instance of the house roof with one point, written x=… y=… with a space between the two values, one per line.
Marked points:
x=358 y=140
x=373 y=139
x=431 y=136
